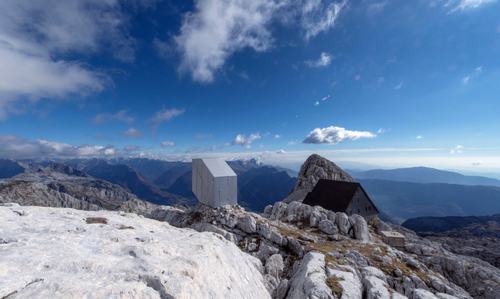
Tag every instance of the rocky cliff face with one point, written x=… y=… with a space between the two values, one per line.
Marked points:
x=66 y=253
x=314 y=169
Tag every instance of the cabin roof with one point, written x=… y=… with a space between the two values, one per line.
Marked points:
x=334 y=195
x=218 y=167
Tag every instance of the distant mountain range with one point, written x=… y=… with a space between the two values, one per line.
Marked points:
x=475 y=225
x=404 y=200
x=399 y=193
x=424 y=175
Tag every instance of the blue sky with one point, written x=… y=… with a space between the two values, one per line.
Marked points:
x=370 y=83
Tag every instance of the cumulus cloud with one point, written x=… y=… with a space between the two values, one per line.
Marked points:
x=37 y=37
x=167 y=143
x=216 y=29
x=133 y=133
x=120 y=116
x=18 y=148
x=165 y=115
x=334 y=135
x=246 y=141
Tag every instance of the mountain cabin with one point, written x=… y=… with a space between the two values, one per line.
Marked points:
x=214 y=182
x=339 y=196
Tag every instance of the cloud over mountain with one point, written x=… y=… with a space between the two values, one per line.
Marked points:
x=334 y=135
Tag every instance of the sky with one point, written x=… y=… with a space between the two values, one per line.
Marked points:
x=365 y=83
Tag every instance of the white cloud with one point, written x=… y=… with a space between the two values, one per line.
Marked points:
x=245 y=141
x=462 y=5
x=334 y=135
x=419 y=137
x=133 y=133
x=324 y=60
x=165 y=115
x=316 y=103
x=277 y=136
x=459 y=149
x=216 y=29
x=325 y=98
x=319 y=16
x=281 y=152
x=19 y=148
x=167 y=143
x=36 y=38
x=120 y=116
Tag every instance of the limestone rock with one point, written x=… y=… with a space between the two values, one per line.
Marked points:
x=247 y=224
x=314 y=169
x=328 y=227
x=349 y=282
x=343 y=223
x=309 y=282
x=375 y=288
x=274 y=265
x=360 y=228
x=61 y=256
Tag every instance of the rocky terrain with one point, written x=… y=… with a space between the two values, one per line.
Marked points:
x=292 y=250
x=67 y=253
x=472 y=236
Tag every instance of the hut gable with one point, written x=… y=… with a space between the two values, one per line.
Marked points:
x=339 y=196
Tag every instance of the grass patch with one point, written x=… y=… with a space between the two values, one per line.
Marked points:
x=333 y=283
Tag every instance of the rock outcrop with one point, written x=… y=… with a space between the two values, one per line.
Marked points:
x=314 y=169
x=118 y=255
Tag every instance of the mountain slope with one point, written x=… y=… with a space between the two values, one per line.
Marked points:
x=403 y=200
x=126 y=177
x=50 y=188
x=424 y=175
x=9 y=168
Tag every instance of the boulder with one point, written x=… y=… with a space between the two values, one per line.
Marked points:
x=278 y=211
x=349 y=282
x=328 y=227
x=309 y=281
x=343 y=223
x=280 y=291
x=247 y=224
x=375 y=288
x=274 y=265
x=422 y=294
x=360 y=228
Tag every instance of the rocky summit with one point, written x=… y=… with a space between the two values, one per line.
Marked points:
x=314 y=169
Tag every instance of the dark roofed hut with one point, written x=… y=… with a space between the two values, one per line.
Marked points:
x=339 y=196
